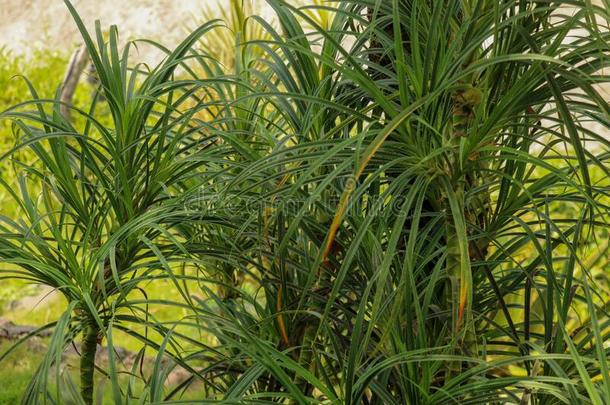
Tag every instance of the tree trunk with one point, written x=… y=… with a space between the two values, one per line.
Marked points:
x=87 y=360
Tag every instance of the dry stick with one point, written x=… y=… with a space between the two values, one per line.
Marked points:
x=77 y=64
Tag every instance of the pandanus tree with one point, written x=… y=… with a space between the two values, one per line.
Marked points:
x=381 y=202
x=100 y=198
x=424 y=150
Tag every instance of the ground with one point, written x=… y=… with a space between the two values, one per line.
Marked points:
x=29 y=24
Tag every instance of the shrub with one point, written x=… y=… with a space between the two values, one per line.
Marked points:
x=402 y=206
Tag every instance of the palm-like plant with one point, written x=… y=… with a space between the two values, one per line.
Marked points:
x=411 y=200
x=99 y=224
x=424 y=160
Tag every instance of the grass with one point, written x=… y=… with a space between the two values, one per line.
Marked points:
x=17 y=372
x=363 y=202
